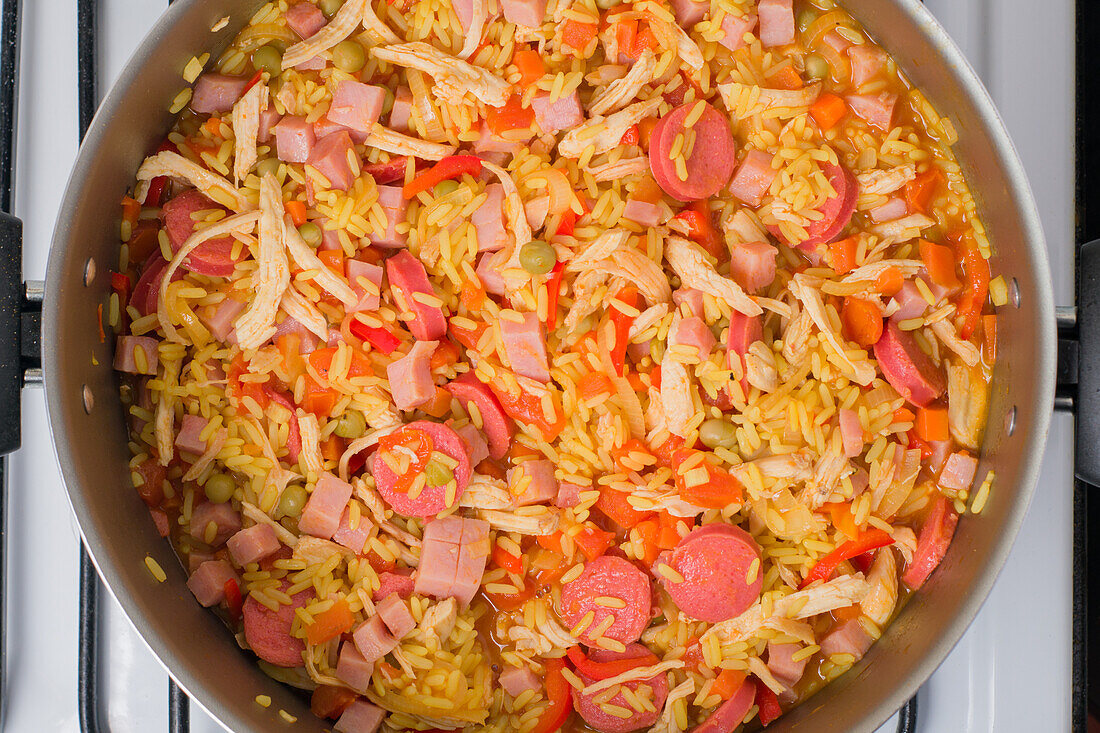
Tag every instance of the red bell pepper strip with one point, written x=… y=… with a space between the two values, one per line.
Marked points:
x=605 y=670
x=559 y=701
x=623 y=322
x=976 y=285
x=233 y=599
x=451 y=167
x=379 y=338
x=872 y=539
x=254 y=81
x=701 y=229
x=120 y=283
x=553 y=289
x=631 y=136
x=768 y=704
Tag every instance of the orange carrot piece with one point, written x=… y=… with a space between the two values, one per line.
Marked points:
x=862 y=321
x=297 y=211
x=931 y=424
x=828 y=110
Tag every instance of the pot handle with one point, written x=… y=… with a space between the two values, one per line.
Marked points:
x=19 y=332
x=1079 y=364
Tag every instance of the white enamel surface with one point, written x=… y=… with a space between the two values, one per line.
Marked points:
x=1011 y=672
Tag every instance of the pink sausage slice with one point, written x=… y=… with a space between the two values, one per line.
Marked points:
x=147 y=289
x=608 y=577
x=432 y=499
x=907 y=368
x=407 y=278
x=728 y=716
x=599 y=718
x=744 y=331
x=268 y=632
x=713 y=155
x=213 y=258
x=498 y=426
x=714 y=562
x=836 y=212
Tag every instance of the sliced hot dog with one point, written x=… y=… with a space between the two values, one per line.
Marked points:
x=728 y=716
x=268 y=632
x=408 y=278
x=714 y=562
x=498 y=427
x=214 y=258
x=712 y=159
x=608 y=577
x=147 y=289
x=431 y=499
x=618 y=715
x=907 y=368
x=836 y=212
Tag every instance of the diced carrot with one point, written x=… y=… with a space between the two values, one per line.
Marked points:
x=318 y=400
x=718 y=490
x=889 y=282
x=530 y=64
x=131 y=210
x=511 y=116
x=919 y=191
x=439 y=405
x=626 y=29
x=643 y=40
x=329 y=624
x=862 y=321
x=578 y=35
x=593 y=541
x=975 y=268
x=727 y=682
x=828 y=110
x=333 y=259
x=940 y=263
x=594 y=384
x=550 y=541
x=842 y=518
x=330 y=701
x=648 y=530
x=616 y=507
x=332 y=448
x=297 y=211
x=647 y=189
x=445 y=355
x=989 y=339
x=645 y=131
x=931 y=423
x=289 y=346
x=504 y=559
x=472 y=295
x=786 y=78
x=904 y=414
x=213 y=126
x=843 y=255
x=491 y=469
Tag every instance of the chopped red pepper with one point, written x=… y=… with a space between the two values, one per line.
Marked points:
x=631 y=136
x=553 y=290
x=379 y=338
x=120 y=283
x=628 y=296
x=768 y=704
x=701 y=229
x=449 y=168
x=156 y=191
x=976 y=284
x=233 y=599
x=872 y=539
x=719 y=491
x=506 y=560
x=567 y=223
x=605 y=670
x=527 y=408
x=559 y=700
x=254 y=80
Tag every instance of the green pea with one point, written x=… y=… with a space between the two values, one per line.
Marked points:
x=349 y=56
x=437 y=474
x=717 y=433
x=352 y=425
x=805 y=18
x=387 y=103
x=268 y=58
x=311 y=233
x=267 y=165
x=292 y=501
x=537 y=257
x=219 y=488
x=330 y=7
x=816 y=67
x=444 y=187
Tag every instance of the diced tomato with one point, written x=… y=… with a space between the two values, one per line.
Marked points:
x=506 y=560
x=578 y=35
x=593 y=541
x=338 y=619
x=527 y=408
x=718 y=491
x=233 y=599
x=512 y=115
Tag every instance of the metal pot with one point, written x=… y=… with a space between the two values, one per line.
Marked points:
x=90 y=433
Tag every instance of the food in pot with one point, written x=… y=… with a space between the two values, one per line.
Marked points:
x=584 y=366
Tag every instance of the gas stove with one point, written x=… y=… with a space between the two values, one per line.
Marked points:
x=73 y=663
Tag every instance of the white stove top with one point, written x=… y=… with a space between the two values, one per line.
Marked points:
x=1011 y=672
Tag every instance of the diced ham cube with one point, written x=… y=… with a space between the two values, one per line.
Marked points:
x=394 y=205
x=305 y=19
x=358 y=273
x=195 y=559
x=221 y=319
x=518 y=680
x=488 y=142
x=735 y=27
x=692 y=297
x=892 y=210
x=314 y=64
x=356 y=105
x=215 y=93
x=353 y=539
x=876 y=110
x=373 y=639
x=689 y=12
x=268 y=119
x=321 y=516
x=401 y=112
x=127 y=361
x=776 y=22
x=294 y=139
x=851 y=432
x=477 y=447
x=222 y=516
x=752 y=265
x=837 y=42
x=488 y=220
x=782 y=667
x=253 y=544
x=394 y=583
x=330 y=158
x=847 y=637
x=642 y=212
x=911 y=304
x=565 y=113
x=452 y=558
x=867 y=62
x=188 y=440
x=408 y=279
x=533 y=482
x=395 y=614
x=958 y=472
x=411 y=376
x=160 y=520
x=525 y=346
x=694 y=333
x=569 y=495
x=490 y=276
x=208 y=582
x=753 y=177
x=325 y=127
x=307 y=340
x=360 y=717
x=352 y=668
x=528 y=13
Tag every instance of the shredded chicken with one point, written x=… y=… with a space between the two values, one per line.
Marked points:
x=368 y=440
x=287 y=97
x=632 y=675
x=454 y=78
x=689 y=262
x=604 y=133
x=257 y=323
x=905 y=542
x=305 y=257
x=647 y=275
x=486 y=492
x=840 y=592
x=311 y=457
x=881 y=181
x=760 y=367
x=676 y=393
x=213 y=447
x=748 y=623
x=793 y=467
x=861 y=372
x=870 y=273
x=621 y=92
x=878 y=605
x=648 y=318
x=479 y=16
x=904 y=228
x=439 y=619
x=303 y=311
x=946 y=332
x=379 y=32
x=796 y=340
x=536 y=523
x=619 y=169
x=762 y=673
x=745 y=227
x=669 y=34
x=780 y=102
x=314 y=550
x=342 y=25
x=165 y=415
x=258 y=516
x=386 y=139
x=967 y=404
x=513 y=204
x=246 y=128
x=828 y=471
x=594 y=252
x=174 y=165
x=666 y=723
